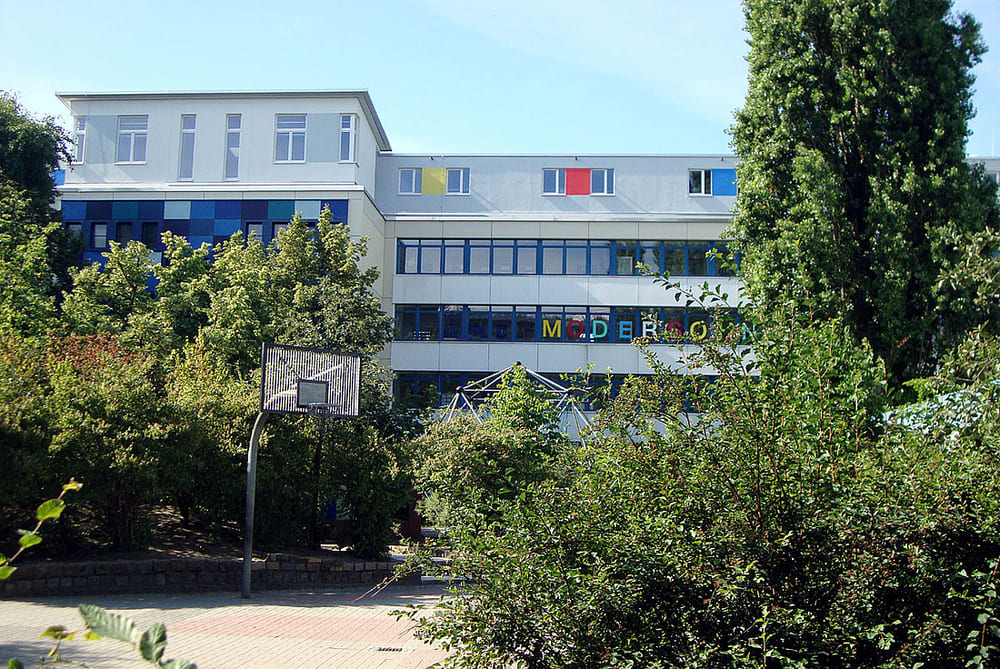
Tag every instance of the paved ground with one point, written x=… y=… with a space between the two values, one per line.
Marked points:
x=298 y=629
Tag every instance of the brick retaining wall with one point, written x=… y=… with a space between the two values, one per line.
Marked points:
x=276 y=572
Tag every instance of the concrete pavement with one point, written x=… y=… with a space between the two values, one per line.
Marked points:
x=221 y=631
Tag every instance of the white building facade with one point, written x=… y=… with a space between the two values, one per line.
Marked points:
x=485 y=259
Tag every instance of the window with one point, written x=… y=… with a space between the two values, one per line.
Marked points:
x=124 y=231
x=151 y=235
x=290 y=138
x=277 y=229
x=186 y=169
x=99 y=235
x=132 y=139
x=699 y=182
x=255 y=230
x=233 y=123
x=602 y=182
x=458 y=181
x=80 y=133
x=410 y=181
x=554 y=182
x=347 y=134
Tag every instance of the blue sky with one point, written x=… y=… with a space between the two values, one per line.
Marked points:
x=448 y=76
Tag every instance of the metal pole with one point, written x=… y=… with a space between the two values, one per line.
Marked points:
x=258 y=427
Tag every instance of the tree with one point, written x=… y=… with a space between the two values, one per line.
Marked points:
x=852 y=173
x=30 y=150
x=783 y=528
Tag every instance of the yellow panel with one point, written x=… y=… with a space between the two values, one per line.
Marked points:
x=433 y=181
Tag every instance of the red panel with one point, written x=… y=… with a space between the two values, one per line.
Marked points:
x=577 y=181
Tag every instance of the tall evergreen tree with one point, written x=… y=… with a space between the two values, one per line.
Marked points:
x=853 y=178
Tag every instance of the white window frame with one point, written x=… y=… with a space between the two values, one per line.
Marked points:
x=604 y=171
x=464 y=174
x=560 y=173
x=103 y=227
x=292 y=132
x=350 y=133
x=185 y=133
x=414 y=182
x=231 y=131
x=79 y=139
x=706 y=184
x=133 y=134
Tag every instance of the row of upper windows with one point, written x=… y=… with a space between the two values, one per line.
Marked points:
x=555 y=181
x=289 y=141
x=149 y=233
x=594 y=257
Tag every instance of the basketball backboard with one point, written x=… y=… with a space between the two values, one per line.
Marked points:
x=295 y=377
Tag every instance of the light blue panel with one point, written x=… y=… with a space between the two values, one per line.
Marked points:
x=308 y=208
x=177 y=209
x=125 y=210
x=226 y=226
x=323 y=138
x=203 y=209
x=197 y=240
x=724 y=182
x=74 y=211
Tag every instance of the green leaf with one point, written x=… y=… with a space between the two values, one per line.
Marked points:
x=153 y=643
x=15 y=663
x=72 y=485
x=56 y=632
x=109 y=625
x=6 y=571
x=91 y=636
x=178 y=664
x=29 y=539
x=51 y=509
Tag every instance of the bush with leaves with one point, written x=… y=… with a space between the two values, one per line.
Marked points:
x=780 y=527
x=463 y=464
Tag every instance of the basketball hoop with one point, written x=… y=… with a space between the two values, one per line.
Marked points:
x=322 y=414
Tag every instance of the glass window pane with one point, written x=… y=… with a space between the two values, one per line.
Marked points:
x=124 y=148
x=576 y=260
x=503 y=260
x=429 y=325
x=479 y=260
x=187 y=156
x=673 y=259
x=454 y=258
x=345 y=146
x=233 y=121
x=187 y=122
x=548 y=181
x=298 y=146
x=479 y=321
x=527 y=259
x=454 y=181
x=694 y=181
x=609 y=181
x=501 y=323
x=100 y=234
x=552 y=259
x=600 y=258
x=698 y=261
x=139 y=148
x=151 y=235
x=255 y=230
x=281 y=146
x=576 y=326
x=124 y=233
x=430 y=259
x=525 y=325
x=625 y=258
x=406 y=323
x=452 y=325
x=599 y=329
x=650 y=257
x=409 y=259
x=551 y=328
